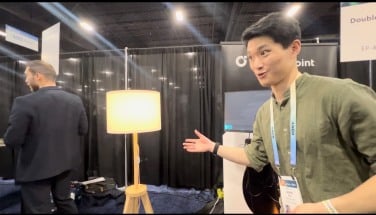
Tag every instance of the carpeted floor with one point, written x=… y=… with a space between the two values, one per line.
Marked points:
x=164 y=200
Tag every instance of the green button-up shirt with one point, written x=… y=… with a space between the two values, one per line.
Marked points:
x=336 y=136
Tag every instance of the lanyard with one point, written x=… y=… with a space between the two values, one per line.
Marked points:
x=292 y=130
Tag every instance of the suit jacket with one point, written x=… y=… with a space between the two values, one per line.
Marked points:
x=45 y=127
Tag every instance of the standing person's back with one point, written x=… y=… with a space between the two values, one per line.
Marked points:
x=51 y=143
x=45 y=128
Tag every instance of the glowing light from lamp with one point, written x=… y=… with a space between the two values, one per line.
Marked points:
x=133 y=111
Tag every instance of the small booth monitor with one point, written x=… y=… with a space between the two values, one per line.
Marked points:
x=241 y=108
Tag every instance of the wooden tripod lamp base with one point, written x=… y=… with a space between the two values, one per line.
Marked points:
x=133 y=194
x=126 y=114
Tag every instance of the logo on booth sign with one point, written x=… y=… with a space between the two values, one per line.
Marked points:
x=241 y=61
x=305 y=63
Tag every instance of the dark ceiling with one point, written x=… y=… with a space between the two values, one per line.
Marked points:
x=151 y=24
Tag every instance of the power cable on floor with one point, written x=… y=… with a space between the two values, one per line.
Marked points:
x=219 y=196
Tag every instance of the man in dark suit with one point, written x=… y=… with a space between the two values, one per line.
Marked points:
x=45 y=128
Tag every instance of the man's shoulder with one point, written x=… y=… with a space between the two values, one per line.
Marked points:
x=62 y=93
x=25 y=97
x=41 y=94
x=71 y=95
x=322 y=78
x=332 y=82
x=339 y=86
x=264 y=108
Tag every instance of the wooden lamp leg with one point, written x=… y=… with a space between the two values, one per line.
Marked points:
x=137 y=191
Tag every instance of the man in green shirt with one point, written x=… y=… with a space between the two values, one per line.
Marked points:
x=320 y=130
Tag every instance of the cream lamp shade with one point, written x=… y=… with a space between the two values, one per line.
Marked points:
x=133 y=111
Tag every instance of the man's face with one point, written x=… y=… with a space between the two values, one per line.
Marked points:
x=269 y=61
x=31 y=80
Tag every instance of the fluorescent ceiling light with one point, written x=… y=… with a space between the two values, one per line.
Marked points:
x=179 y=15
x=293 y=10
x=85 y=25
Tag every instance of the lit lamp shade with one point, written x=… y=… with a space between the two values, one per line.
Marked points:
x=133 y=111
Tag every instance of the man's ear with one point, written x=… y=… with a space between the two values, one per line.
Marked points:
x=296 y=46
x=38 y=76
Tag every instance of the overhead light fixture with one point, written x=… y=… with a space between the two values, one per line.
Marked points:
x=72 y=59
x=85 y=25
x=179 y=15
x=293 y=10
x=107 y=72
x=317 y=39
x=68 y=74
x=190 y=54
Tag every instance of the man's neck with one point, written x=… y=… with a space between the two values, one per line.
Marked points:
x=47 y=84
x=280 y=89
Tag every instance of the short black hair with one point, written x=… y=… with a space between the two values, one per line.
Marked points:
x=280 y=27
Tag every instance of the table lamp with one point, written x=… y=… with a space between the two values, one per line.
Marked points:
x=133 y=112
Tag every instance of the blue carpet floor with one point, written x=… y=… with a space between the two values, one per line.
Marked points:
x=164 y=200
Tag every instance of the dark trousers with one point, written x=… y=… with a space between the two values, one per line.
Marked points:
x=36 y=195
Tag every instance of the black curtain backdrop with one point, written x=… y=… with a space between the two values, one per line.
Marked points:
x=88 y=75
x=190 y=82
x=91 y=75
x=359 y=72
x=11 y=85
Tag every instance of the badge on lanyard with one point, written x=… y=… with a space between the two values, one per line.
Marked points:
x=290 y=193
